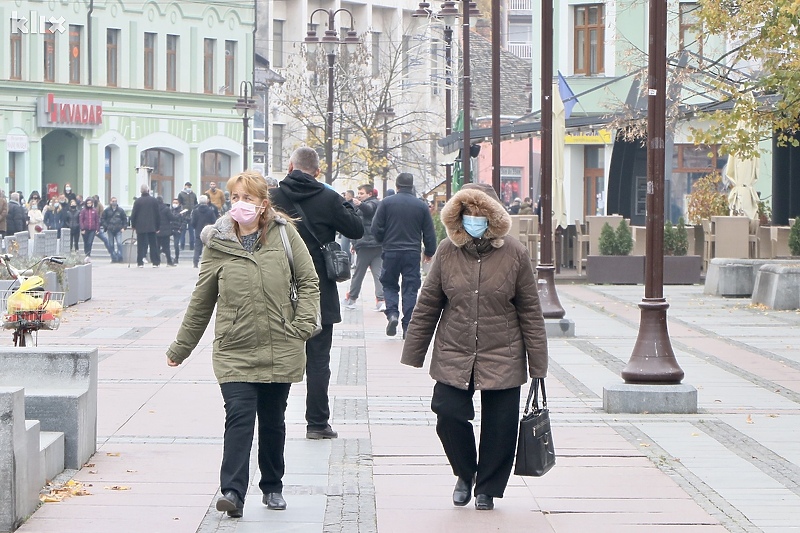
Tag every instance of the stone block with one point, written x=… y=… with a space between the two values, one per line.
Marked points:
x=51 y=454
x=23 y=238
x=559 y=327
x=61 y=392
x=735 y=278
x=650 y=398
x=777 y=286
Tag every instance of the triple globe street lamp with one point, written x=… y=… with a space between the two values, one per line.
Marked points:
x=245 y=106
x=330 y=43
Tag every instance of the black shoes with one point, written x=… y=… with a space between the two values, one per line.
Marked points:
x=274 y=501
x=463 y=492
x=231 y=503
x=317 y=434
x=391 y=327
x=484 y=502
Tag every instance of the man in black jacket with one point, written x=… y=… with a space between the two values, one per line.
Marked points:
x=16 y=219
x=401 y=224
x=325 y=213
x=113 y=221
x=203 y=215
x=368 y=250
x=146 y=220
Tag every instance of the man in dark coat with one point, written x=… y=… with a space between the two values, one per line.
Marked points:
x=203 y=215
x=326 y=213
x=401 y=224
x=188 y=201
x=114 y=220
x=146 y=220
x=15 y=221
x=164 y=231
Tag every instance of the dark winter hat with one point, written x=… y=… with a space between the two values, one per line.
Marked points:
x=484 y=188
x=187 y=184
x=389 y=192
x=404 y=180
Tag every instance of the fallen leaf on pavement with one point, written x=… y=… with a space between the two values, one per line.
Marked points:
x=749 y=419
x=112 y=454
x=117 y=487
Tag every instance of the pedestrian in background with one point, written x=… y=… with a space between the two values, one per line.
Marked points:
x=480 y=299
x=402 y=224
x=16 y=220
x=179 y=225
x=114 y=220
x=35 y=217
x=3 y=213
x=146 y=221
x=326 y=213
x=202 y=216
x=188 y=201
x=215 y=197
x=260 y=351
x=165 y=229
x=53 y=216
x=72 y=221
x=89 y=224
x=368 y=250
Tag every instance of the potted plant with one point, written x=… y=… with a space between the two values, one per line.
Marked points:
x=794 y=237
x=614 y=264
x=679 y=268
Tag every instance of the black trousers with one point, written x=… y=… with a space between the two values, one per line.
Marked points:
x=318 y=377
x=143 y=242
x=163 y=243
x=243 y=401
x=493 y=460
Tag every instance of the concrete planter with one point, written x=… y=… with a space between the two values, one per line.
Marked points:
x=682 y=270
x=72 y=278
x=615 y=269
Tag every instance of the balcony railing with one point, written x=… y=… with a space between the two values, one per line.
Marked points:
x=520 y=5
x=522 y=50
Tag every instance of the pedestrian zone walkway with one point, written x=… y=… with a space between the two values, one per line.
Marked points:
x=735 y=466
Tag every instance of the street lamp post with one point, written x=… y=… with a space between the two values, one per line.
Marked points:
x=386 y=112
x=244 y=104
x=330 y=43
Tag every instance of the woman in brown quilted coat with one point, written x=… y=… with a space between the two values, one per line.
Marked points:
x=480 y=299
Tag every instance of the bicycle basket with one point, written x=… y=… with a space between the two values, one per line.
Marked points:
x=32 y=309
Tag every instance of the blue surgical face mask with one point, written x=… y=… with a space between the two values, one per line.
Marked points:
x=476 y=226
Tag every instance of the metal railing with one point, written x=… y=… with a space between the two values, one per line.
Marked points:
x=522 y=50
x=520 y=5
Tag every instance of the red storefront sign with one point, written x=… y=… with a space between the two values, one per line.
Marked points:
x=69 y=113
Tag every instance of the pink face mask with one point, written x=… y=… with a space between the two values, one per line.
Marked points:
x=244 y=212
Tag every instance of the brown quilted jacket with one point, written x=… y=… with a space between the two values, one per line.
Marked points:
x=480 y=299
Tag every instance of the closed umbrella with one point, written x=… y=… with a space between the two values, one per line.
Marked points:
x=559 y=134
x=741 y=174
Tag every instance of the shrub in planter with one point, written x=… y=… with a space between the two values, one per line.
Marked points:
x=608 y=240
x=624 y=238
x=681 y=238
x=669 y=239
x=794 y=237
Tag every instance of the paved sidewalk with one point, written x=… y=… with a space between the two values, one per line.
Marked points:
x=733 y=467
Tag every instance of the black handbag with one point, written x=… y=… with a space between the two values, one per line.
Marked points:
x=294 y=296
x=535 y=452
x=337 y=261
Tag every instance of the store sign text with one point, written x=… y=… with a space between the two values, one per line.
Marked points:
x=69 y=113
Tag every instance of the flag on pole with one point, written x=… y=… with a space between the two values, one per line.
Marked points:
x=567 y=96
x=458 y=179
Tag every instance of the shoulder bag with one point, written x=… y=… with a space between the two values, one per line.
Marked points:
x=535 y=452
x=337 y=262
x=294 y=296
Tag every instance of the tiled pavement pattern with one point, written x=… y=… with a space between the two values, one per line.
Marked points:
x=735 y=466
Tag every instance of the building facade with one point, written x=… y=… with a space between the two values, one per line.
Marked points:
x=93 y=91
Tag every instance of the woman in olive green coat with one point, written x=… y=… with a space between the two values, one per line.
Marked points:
x=259 y=337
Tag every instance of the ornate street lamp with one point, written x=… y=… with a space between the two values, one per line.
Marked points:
x=386 y=112
x=330 y=43
x=245 y=104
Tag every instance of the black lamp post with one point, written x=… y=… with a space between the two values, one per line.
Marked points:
x=386 y=112
x=330 y=43
x=448 y=14
x=244 y=105
x=652 y=359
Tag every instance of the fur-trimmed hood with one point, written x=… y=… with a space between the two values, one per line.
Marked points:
x=453 y=211
x=223 y=228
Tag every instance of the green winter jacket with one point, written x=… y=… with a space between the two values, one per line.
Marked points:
x=258 y=337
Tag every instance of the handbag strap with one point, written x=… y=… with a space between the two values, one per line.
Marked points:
x=534 y=393
x=305 y=221
x=290 y=258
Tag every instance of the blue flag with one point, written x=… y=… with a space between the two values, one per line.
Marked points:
x=567 y=96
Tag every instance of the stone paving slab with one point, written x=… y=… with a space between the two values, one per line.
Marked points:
x=735 y=466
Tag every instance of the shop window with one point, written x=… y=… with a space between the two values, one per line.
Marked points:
x=589 y=39
x=593 y=180
x=162 y=178
x=277 y=43
x=172 y=62
x=230 y=66
x=149 y=60
x=75 y=54
x=49 y=57
x=112 y=56
x=510 y=184
x=216 y=167
x=689 y=164
x=16 y=53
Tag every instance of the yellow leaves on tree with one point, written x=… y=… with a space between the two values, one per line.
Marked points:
x=707 y=199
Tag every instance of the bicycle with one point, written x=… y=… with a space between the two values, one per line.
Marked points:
x=30 y=308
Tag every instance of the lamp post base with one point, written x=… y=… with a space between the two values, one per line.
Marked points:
x=653 y=360
x=548 y=297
